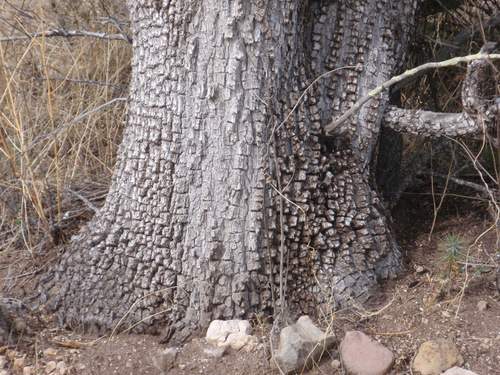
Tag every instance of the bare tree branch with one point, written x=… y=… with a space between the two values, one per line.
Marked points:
x=409 y=73
x=67 y=33
x=462 y=182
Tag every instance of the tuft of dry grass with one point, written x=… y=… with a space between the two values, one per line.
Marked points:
x=58 y=139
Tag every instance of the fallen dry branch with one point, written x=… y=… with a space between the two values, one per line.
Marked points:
x=57 y=32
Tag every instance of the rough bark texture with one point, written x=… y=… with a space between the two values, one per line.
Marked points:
x=194 y=228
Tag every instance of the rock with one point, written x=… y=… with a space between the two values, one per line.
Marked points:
x=3 y=361
x=300 y=344
x=165 y=359
x=216 y=353
x=10 y=310
x=233 y=333
x=364 y=356
x=50 y=352
x=49 y=367
x=482 y=306
x=4 y=372
x=240 y=340
x=19 y=363
x=335 y=364
x=11 y=354
x=436 y=356
x=458 y=371
x=61 y=368
x=28 y=370
x=446 y=314
x=79 y=366
x=219 y=330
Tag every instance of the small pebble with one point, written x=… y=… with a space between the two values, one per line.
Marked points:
x=49 y=367
x=50 y=352
x=19 y=362
x=335 y=363
x=11 y=354
x=482 y=306
x=80 y=366
x=484 y=347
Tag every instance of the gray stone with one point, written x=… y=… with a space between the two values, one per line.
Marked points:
x=300 y=344
x=437 y=356
x=482 y=306
x=458 y=371
x=364 y=356
x=164 y=360
x=216 y=353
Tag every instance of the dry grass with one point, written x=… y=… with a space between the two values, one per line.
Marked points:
x=51 y=172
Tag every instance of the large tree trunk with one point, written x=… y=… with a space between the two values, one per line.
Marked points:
x=222 y=205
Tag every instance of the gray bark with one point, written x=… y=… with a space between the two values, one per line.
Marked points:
x=194 y=228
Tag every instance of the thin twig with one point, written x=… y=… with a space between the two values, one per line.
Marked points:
x=66 y=33
x=120 y=28
x=40 y=137
x=462 y=182
x=82 y=198
x=409 y=73
x=451 y=46
x=88 y=81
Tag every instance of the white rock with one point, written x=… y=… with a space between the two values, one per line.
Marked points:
x=458 y=371
x=232 y=333
x=240 y=340
x=3 y=361
x=219 y=330
x=29 y=370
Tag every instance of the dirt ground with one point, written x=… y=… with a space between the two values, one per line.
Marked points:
x=431 y=299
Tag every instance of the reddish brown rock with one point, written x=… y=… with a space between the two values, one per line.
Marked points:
x=364 y=356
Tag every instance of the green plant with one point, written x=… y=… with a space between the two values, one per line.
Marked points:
x=453 y=253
